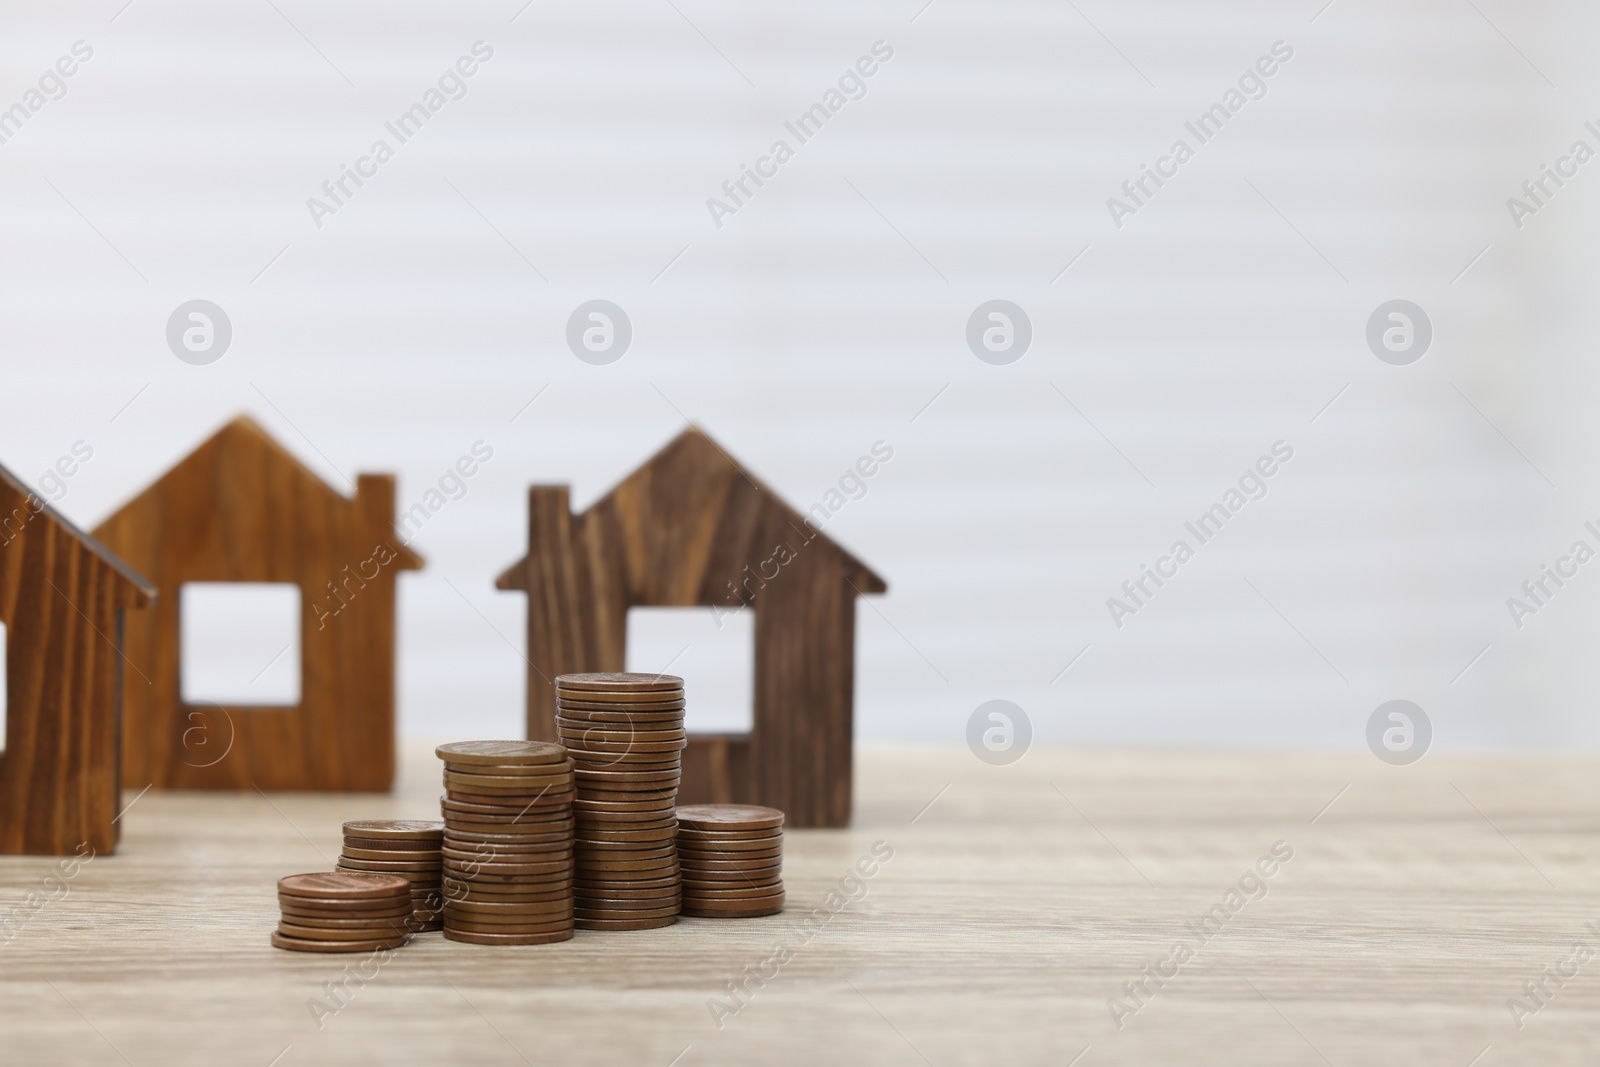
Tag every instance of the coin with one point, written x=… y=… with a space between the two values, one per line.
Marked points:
x=471 y=938
x=715 y=817
x=395 y=829
x=592 y=914
x=575 y=708
x=408 y=871
x=297 y=944
x=388 y=855
x=612 y=681
x=624 y=924
x=317 y=914
x=338 y=885
x=479 y=907
x=703 y=911
x=324 y=932
x=695 y=856
x=744 y=893
x=501 y=753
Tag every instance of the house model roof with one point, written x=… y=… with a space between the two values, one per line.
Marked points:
x=144 y=592
x=694 y=460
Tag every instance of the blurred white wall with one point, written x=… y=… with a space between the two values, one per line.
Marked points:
x=825 y=314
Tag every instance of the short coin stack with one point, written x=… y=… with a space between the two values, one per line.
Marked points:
x=626 y=736
x=507 y=842
x=732 y=860
x=342 y=911
x=403 y=847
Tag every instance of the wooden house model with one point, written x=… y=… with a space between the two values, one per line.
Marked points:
x=62 y=600
x=241 y=508
x=692 y=528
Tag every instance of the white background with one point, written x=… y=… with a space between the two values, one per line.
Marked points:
x=831 y=309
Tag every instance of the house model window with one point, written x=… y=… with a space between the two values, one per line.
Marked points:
x=715 y=648
x=239 y=643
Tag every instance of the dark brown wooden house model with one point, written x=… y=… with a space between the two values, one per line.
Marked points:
x=242 y=509
x=691 y=528
x=62 y=598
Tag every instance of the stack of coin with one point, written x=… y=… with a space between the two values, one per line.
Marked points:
x=342 y=911
x=626 y=736
x=403 y=847
x=507 y=842
x=732 y=860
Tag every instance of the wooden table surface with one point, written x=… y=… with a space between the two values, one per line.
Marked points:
x=1018 y=902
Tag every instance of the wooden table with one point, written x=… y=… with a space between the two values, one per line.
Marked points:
x=1018 y=902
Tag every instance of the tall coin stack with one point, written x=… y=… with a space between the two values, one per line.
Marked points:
x=403 y=847
x=507 y=842
x=626 y=736
x=342 y=912
x=732 y=860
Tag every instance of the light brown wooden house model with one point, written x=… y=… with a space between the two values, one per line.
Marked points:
x=62 y=599
x=692 y=528
x=242 y=509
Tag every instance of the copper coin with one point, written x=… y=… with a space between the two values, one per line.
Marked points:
x=613 y=681
x=570 y=704
x=419 y=872
x=625 y=924
x=390 y=855
x=742 y=893
x=632 y=902
x=468 y=938
x=621 y=850
x=313 y=916
x=369 y=932
x=732 y=835
x=611 y=779
x=660 y=833
x=547 y=831
x=509 y=924
x=471 y=850
x=715 y=817
x=505 y=803
x=296 y=944
x=627 y=723
x=392 y=847
x=497 y=785
x=501 y=753
x=403 y=868
x=549 y=806
x=725 y=907
x=479 y=907
x=509 y=832
x=731 y=879
x=732 y=849
x=557 y=897
x=522 y=892
x=509 y=842
x=607 y=741
x=598 y=881
x=701 y=911
x=481 y=874
x=694 y=856
x=501 y=857
x=533 y=778
x=395 y=829
x=527 y=891
x=651 y=818
x=703 y=873
x=604 y=867
x=627 y=762
x=626 y=914
x=648 y=805
x=627 y=891
x=483 y=871
x=339 y=885
x=711 y=869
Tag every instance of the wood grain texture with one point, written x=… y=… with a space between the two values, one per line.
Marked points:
x=62 y=599
x=240 y=508
x=1015 y=906
x=691 y=528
